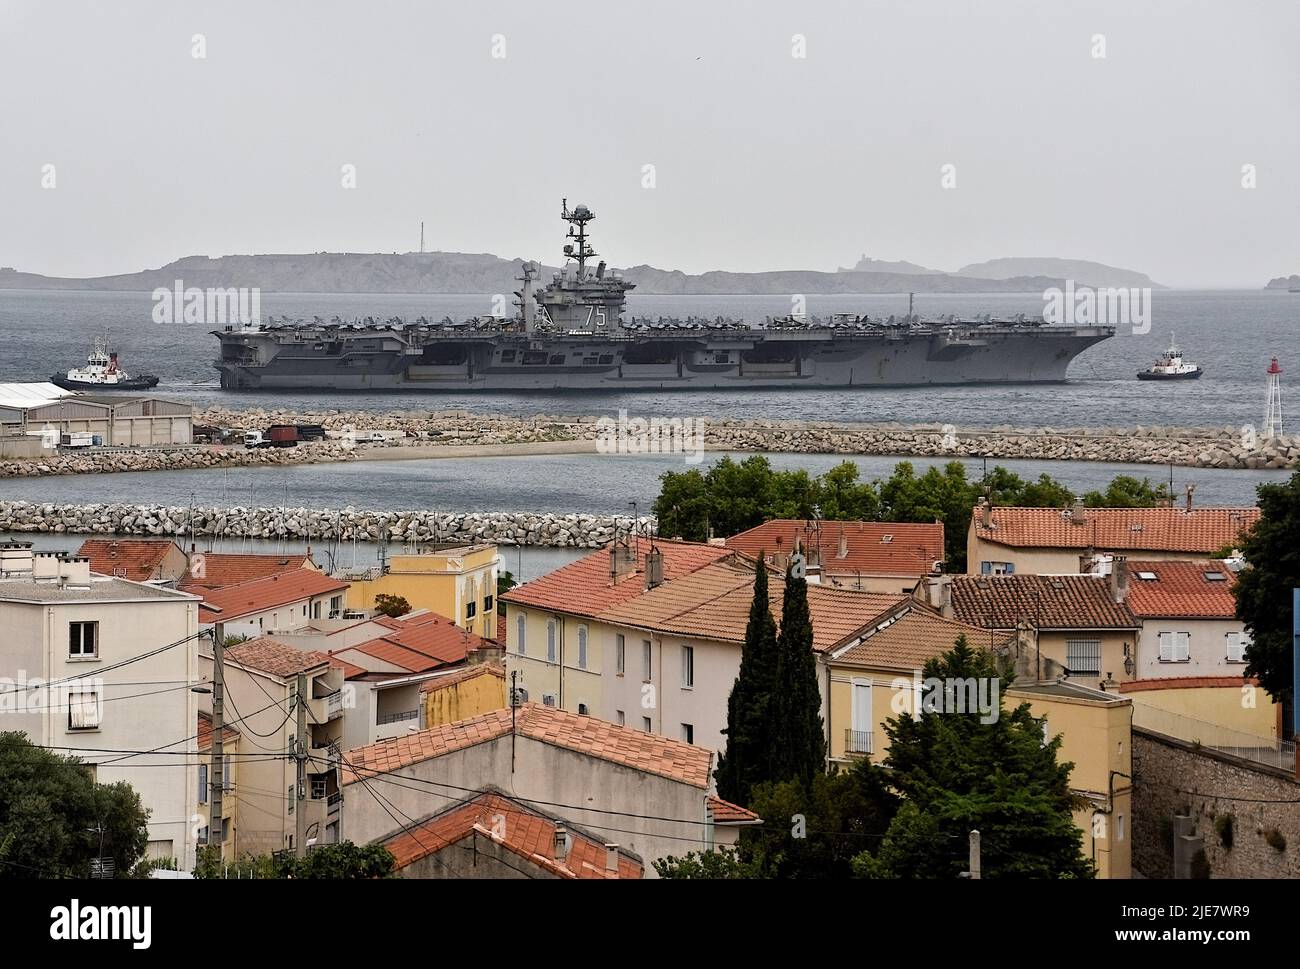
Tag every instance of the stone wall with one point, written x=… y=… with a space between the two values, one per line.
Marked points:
x=1174 y=779
x=400 y=527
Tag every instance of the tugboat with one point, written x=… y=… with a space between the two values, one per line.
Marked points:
x=101 y=372
x=1170 y=366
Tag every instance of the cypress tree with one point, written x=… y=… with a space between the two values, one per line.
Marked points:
x=744 y=763
x=798 y=745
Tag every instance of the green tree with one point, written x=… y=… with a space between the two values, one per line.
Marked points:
x=392 y=606
x=505 y=582
x=956 y=773
x=1126 y=491
x=343 y=860
x=744 y=761
x=1263 y=591
x=53 y=815
x=841 y=496
x=723 y=863
x=797 y=743
x=946 y=496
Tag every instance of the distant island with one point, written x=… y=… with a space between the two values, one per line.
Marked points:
x=1284 y=282
x=459 y=272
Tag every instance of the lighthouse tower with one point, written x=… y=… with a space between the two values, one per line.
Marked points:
x=1273 y=409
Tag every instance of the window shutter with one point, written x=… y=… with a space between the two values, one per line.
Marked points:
x=1182 y=646
x=203 y=783
x=1166 y=646
x=550 y=641
x=519 y=628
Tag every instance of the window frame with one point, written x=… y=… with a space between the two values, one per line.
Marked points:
x=688 y=667
x=80 y=655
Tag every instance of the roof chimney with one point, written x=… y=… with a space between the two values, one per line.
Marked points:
x=986 y=512
x=654 y=568
x=622 y=560
x=1119 y=577
x=939 y=594
x=561 y=842
x=45 y=565
x=611 y=860
x=1079 y=513
x=15 y=558
x=842 y=551
x=1190 y=489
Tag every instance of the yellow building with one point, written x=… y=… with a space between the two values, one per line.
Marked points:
x=458 y=581
x=462 y=694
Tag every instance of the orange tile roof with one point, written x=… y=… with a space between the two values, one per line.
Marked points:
x=641 y=751
x=870 y=548
x=1181 y=590
x=422 y=643
x=406 y=659
x=221 y=569
x=228 y=733
x=1201 y=530
x=713 y=603
x=1048 y=601
x=583 y=588
x=1186 y=683
x=350 y=670
x=136 y=559
x=523 y=831
x=259 y=595
x=271 y=656
x=724 y=812
x=912 y=638
x=436 y=683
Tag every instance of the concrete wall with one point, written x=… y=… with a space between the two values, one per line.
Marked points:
x=1244 y=709
x=463 y=700
x=1207 y=648
x=1175 y=777
x=476 y=856
x=577 y=786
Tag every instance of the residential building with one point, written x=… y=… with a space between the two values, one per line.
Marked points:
x=209 y=570
x=646 y=794
x=877 y=675
x=1080 y=622
x=261 y=696
x=279 y=602
x=230 y=771
x=459 y=581
x=497 y=836
x=136 y=559
x=462 y=694
x=1226 y=712
x=94 y=665
x=868 y=556
x=654 y=641
x=1004 y=540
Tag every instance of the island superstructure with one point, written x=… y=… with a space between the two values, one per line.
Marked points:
x=573 y=334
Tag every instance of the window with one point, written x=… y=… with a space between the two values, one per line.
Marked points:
x=548 y=699
x=471 y=609
x=582 y=709
x=550 y=641
x=83 y=640
x=645 y=660
x=582 y=647
x=1083 y=657
x=336 y=603
x=688 y=667
x=1119 y=827
x=318 y=787
x=645 y=724
x=859 y=738
x=620 y=653
x=293 y=797
x=520 y=625
x=487 y=603
x=1175 y=647
x=619 y=718
x=83 y=710
x=203 y=783
x=688 y=732
x=1237 y=644
x=997 y=568
x=315 y=609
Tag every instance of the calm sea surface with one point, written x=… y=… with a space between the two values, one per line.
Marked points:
x=1230 y=334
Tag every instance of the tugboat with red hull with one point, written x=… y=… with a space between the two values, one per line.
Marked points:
x=101 y=372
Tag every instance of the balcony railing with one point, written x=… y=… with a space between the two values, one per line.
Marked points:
x=397 y=717
x=857 y=741
x=334 y=704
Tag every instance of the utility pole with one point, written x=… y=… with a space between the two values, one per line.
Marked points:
x=300 y=784
x=217 y=770
x=975 y=854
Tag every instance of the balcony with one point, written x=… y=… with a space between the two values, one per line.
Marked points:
x=397 y=717
x=857 y=742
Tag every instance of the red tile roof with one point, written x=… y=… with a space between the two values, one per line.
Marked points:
x=1201 y=530
x=422 y=643
x=519 y=829
x=724 y=812
x=228 y=733
x=583 y=588
x=136 y=559
x=870 y=548
x=1048 y=601
x=1181 y=590
x=261 y=595
x=271 y=656
x=220 y=569
x=913 y=637
x=713 y=603
x=624 y=746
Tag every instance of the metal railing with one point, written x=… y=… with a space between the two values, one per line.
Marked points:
x=397 y=717
x=1215 y=736
x=857 y=741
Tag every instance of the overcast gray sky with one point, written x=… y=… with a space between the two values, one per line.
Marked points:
x=762 y=160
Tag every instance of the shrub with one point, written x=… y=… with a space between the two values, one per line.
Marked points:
x=1200 y=864
x=1223 y=828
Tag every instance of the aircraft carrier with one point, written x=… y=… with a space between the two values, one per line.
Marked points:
x=572 y=334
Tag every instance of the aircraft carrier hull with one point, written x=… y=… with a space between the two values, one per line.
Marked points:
x=393 y=360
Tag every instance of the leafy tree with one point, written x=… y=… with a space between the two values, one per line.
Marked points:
x=797 y=744
x=1126 y=491
x=842 y=497
x=956 y=773
x=724 y=863
x=392 y=606
x=745 y=760
x=1263 y=591
x=945 y=496
x=53 y=815
x=505 y=582
x=343 y=860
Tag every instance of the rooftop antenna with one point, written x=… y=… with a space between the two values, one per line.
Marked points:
x=1273 y=408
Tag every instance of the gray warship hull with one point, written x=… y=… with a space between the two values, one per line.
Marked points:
x=411 y=360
